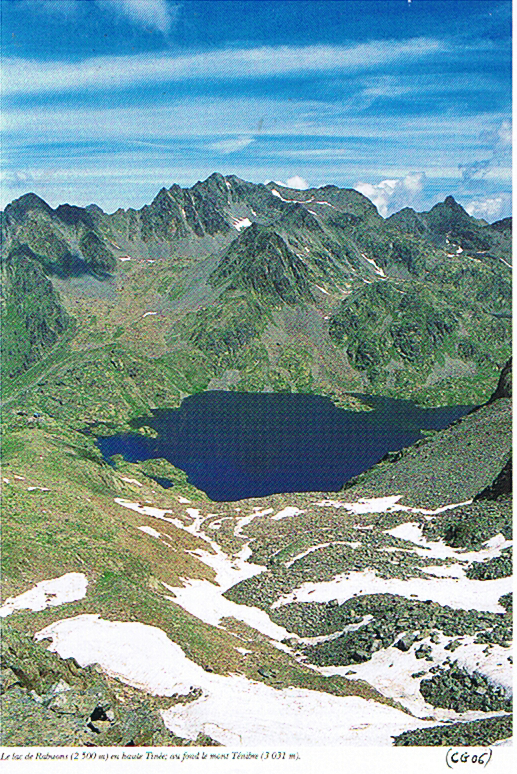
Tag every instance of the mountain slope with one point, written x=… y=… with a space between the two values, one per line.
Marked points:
x=382 y=605
x=32 y=318
x=234 y=285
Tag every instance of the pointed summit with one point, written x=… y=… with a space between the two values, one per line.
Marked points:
x=30 y=202
x=260 y=259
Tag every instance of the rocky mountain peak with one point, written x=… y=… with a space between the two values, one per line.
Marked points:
x=30 y=202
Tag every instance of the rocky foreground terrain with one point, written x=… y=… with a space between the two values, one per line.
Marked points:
x=379 y=615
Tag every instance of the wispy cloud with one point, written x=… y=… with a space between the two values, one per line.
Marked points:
x=231 y=145
x=58 y=8
x=156 y=14
x=28 y=77
x=211 y=118
x=499 y=141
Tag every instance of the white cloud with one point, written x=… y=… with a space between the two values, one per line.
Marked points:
x=296 y=182
x=30 y=76
x=392 y=195
x=231 y=145
x=156 y=14
x=210 y=117
x=491 y=208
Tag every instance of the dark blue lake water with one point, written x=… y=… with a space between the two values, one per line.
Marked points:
x=235 y=445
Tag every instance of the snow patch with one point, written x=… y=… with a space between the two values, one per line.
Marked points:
x=233 y=710
x=377 y=269
x=458 y=593
x=286 y=512
x=150 y=531
x=240 y=224
x=245 y=520
x=387 y=504
x=367 y=505
x=205 y=601
x=48 y=593
x=391 y=670
x=322 y=545
x=412 y=532
x=131 y=480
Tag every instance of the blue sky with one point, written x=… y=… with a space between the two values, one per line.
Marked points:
x=107 y=101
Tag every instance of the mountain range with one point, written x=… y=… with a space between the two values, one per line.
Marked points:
x=235 y=285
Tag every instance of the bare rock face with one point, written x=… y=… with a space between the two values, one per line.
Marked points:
x=502 y=484
x=504 y=386
x=47 y=700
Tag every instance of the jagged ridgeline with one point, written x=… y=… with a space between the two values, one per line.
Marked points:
x=234 y=285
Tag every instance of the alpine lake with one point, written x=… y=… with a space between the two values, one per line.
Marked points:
x=236 y=445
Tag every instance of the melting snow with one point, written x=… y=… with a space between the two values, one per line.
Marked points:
x=459 y=593
x=240 y=224
x=233 y=710
x=131 y=480
x=387 y=504
x=286 y=512
x=205 y=599
x=412 y=532
x=378 y=269
x=48 y=593
x=367 y=505
x=390 y=671
x=150 y=531
x=321 y=545
x=279 y=195
x=245 y=520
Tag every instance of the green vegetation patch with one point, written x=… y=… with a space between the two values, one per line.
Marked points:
x=33 y=319
x=416 y=338
x=477 y=733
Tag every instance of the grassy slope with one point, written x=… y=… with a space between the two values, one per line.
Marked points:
x=77 y=527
